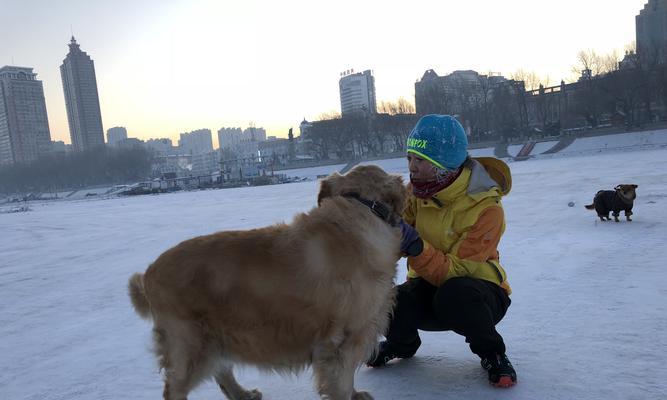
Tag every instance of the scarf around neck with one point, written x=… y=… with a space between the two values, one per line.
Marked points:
x=426 y=190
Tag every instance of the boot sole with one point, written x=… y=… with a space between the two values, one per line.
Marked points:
x=504 y=382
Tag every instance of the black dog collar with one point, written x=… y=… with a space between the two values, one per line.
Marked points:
x=376 y=207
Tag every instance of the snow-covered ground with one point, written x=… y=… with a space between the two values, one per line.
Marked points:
x=485 y=152
x=313 y=172
x=541 y=147
x=588 y=317
x=620 y=142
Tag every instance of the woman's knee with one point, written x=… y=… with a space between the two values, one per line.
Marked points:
x=457 y=292
x=414 y=293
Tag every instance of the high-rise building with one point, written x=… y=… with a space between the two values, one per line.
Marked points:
x=81 y=99
x=24 y=126
x=253 y=134
x=116 y=134
x=229 y=137
x=161 y=146
x=357 y=93
x=452 y=93
x=196 y=142
x=651 y=30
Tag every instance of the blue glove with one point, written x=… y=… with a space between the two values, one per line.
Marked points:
x=411 y=243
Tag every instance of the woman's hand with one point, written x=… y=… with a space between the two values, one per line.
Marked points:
x=411 y=243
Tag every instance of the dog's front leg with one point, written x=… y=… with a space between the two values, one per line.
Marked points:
x=628 y=213
x=334 y=365
x=616 y=214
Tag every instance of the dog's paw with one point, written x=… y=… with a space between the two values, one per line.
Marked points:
x=253 y=394
x=362 y=396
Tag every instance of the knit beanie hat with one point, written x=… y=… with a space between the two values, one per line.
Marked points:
x=439 y=139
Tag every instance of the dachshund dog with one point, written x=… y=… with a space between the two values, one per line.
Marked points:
x=621 y=198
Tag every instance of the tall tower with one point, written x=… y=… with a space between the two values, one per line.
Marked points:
x=83 y=104
x=651 y=26
x=357 y=93
x=24 y=126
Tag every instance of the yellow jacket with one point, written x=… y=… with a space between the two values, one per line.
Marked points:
x=462 y=225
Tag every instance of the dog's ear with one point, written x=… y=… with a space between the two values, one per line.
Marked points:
x=397 y=198
x=325 y=191
x=618 y=187
x=326 y=187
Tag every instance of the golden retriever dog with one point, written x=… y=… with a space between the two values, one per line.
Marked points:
x=317 y=292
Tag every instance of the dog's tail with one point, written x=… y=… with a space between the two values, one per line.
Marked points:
x=590 y=206
x=138 y=295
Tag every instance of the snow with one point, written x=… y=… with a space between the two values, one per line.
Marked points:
x=514 y=149
x=485 y=152
x=619 y=142
x=313 y=172
x=392 y=165
x=541 y=147
x=588 y=317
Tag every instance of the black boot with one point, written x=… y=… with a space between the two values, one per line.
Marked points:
x=500 y=369
x=387 y=351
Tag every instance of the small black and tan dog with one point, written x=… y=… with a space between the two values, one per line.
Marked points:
x=621 y=198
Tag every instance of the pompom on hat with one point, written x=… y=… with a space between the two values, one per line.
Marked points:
x=441 y=140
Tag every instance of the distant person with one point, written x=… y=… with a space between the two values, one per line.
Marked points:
x=452 y=224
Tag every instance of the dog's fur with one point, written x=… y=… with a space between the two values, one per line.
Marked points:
x=316 y=292
x=621 y=198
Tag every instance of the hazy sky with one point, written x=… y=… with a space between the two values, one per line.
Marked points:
x=165 y=67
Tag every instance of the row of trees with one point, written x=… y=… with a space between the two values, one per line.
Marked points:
x=362 y=134
x=604 y=91
x=635 y=94
x=60 y=171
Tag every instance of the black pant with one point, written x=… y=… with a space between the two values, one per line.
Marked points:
x=468 y=306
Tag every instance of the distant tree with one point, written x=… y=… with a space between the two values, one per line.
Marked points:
x=589 y=60
x=401 y=106
x=329 y=115
x=101 y=165
x=531 y=79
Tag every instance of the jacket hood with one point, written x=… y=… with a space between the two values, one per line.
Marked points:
x=487 y=173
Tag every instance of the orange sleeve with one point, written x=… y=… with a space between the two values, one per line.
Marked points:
x=480 y=244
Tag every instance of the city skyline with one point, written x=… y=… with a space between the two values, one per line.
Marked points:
x=164 y=68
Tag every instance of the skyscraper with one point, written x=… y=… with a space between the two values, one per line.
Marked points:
x=651 y=26
x=357 y=93
x=24 y=127
x=196 y=142
x=116 y=134
x=81 y=99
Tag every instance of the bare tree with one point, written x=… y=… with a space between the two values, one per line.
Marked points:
x=401 y=106
x=530 y=79
x=589 y=60
x=609 y=62
x=333 y=114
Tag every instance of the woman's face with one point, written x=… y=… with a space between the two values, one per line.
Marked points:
x=420 y=170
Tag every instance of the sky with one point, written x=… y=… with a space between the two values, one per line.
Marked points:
x=173 y=66
x=587 y=320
